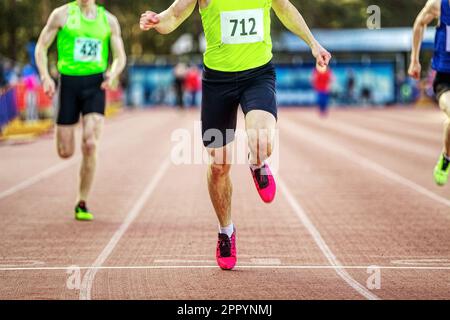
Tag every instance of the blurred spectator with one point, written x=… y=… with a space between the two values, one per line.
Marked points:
x=321 y=81
x=350 y=98
x=193 y=84
x=366 y=96
x=11 y=73
x=180 y=71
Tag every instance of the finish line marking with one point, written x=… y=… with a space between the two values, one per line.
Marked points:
x=299 y=267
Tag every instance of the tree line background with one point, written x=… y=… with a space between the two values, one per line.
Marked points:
x=22 y=20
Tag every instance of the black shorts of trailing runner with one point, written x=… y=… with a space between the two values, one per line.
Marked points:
x=223 y=92
x=80 y=95
x=441 y=84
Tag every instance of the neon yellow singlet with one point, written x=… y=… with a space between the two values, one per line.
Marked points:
x=237 y=34
x=83 y=44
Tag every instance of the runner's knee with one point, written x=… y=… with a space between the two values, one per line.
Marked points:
x=219 y=170
x=65 y=143
x=89 y=147
x=65 y=153
x=65 y=149
x=260 y=143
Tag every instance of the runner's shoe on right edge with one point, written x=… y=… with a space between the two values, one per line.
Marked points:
x=441 y=171
x=226 y=253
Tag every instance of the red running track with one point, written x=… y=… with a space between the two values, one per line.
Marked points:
x=355 y=191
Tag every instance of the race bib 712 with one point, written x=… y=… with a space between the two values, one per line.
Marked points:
x=243 y=26
x=88 y=50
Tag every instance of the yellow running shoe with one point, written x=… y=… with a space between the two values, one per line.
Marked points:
x=441 y=171
x=82 y=213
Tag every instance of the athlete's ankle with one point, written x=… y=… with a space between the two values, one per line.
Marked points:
x=82 y=204
x=256 y=167
x=255 y=164
x=228 y=230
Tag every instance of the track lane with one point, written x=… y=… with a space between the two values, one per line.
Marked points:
x=184 y=234
x=40 y=231
x=416 y=133
x=408 y=162
x=420 y=117
x=25 y=168
x=343 y=200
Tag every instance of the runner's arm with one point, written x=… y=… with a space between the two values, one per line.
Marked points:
x=430 y=12
x=293 y=20
x=46 y=39
x=170 y=19
x=117 y=48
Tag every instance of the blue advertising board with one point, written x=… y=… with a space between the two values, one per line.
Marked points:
x=373 y=83
x=8 y=107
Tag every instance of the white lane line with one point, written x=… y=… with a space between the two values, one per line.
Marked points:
x=262 y=261
x=334 y=262
x=174 y=261
x=424 y=118
x=88 y=278
x=395 y=127
x=361 y=161
x=54 y=169
x=266 y=261
x=422 y=262
x=377 y=137
x=20 y=263
x=40 y=176
x=192 y=256
x=270 y=267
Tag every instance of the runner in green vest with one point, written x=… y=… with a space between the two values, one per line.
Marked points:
x=237 y=71
x=84 y=33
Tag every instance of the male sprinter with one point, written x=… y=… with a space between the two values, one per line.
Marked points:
x=238 y=71
x=84 y=34
x=436 y=9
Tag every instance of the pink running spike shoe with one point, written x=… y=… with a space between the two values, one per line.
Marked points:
x=226 y=251
x=265 y=183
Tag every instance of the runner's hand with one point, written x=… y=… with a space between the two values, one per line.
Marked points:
x=149 y=20
x=110 y=82
x=322 y=56
x=49 y=86
x=415 y=69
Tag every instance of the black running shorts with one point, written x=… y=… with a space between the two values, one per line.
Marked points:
x=223 y=92
x=80 y=95
x=441 y=84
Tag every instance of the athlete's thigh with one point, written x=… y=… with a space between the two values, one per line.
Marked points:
x=92 y=127
x=260 y=127
x=259 y=94
x=260 y=120
x=220 y=103
x=93 y=99
x=69 y=103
